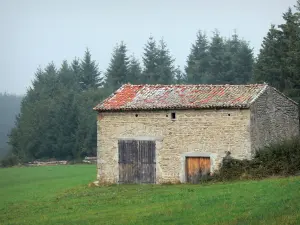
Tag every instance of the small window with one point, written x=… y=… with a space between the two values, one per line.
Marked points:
x=173 y=116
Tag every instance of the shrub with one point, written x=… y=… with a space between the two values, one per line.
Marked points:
x=9 y=161
x=279 y=159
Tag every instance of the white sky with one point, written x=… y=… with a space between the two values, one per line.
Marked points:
x=36 y=32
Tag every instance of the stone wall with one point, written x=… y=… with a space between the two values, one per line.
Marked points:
x=273 y=118
x=194 y=132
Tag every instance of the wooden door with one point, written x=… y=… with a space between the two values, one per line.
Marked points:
x=197 y=167
x=146 y=161
x=136 y=161
x=128 y=155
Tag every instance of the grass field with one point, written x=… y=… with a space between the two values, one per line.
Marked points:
x=60 y=195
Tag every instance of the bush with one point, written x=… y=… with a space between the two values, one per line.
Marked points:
x=280 y=159
x=9 y=161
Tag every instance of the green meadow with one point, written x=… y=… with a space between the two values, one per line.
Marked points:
x=60 y=195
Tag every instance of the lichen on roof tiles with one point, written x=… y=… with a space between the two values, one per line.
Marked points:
x=147 y=97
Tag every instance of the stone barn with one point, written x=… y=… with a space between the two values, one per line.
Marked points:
x=173 y=133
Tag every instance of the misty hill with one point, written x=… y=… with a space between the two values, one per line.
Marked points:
x=9 y=108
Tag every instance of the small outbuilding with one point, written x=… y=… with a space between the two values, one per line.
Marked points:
x=173 y=133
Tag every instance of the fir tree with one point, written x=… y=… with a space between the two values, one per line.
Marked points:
x=90 y=75
x=134 y=71
x=238 y=61
x=198 y=60
x=67 y=77
x=117 y=71
x=76 y=70
x=278 y=60
x=243 y=63
x=217 y=56
x=180 y=78
x=54 y=121
x=149 y=75
x=165 y=68
x=290 y=32
x=10 y=107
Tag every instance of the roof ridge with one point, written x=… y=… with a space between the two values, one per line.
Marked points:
x=174 y=85
x=259 y=94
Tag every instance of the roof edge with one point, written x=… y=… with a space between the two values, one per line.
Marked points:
x=259 y=94
x=173 y=108
x=111 y=95
x=288 y=98
x=277 y=91
x=178 y=85
x=168 y=85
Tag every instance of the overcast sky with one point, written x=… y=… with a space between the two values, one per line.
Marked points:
x=36 y=32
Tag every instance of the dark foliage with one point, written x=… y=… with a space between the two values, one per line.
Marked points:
x=117 y=72
x=10 y=107
x=278 y=62
x=158 y=63
x=280 y=159
x=219 y=60
x=56 y=118
x=9 y=160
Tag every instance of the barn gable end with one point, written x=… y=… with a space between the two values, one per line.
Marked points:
x=274 y=117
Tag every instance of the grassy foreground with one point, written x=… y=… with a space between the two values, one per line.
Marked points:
x=60 y=195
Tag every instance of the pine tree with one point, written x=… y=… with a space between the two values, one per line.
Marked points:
x=65 y=111
x=66 y=123
x=14 y=140
x=10 y=107
x=232 y=47
x=180 y=78
x=76 y=70
x=297 y=7
x=47 y=80
x=268 y=67
x=278 y=62
x=290 y=32
x=90 y=75
x=134 y=71
x=67 y=77
x=86 y=133
x=243 y=64
x=149 y=75
x=54 y=121
x=117 y=72
x=217 y=56
x=198 y=60
x=165 y=69
x=34 y=134
x=238 y=61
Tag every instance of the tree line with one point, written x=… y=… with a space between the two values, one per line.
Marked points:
x=278 y=62
x=9 y=108
x=219 y=60
x=56 y=118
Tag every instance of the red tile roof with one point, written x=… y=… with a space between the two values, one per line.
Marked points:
x=147 y=97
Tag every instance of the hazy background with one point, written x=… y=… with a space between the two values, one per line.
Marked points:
x=35 y=32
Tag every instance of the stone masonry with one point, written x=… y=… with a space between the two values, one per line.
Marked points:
x=273 y=118
x=265 y=117
x=203 y=132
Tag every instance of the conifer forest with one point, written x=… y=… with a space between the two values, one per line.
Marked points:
x=54 y=119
